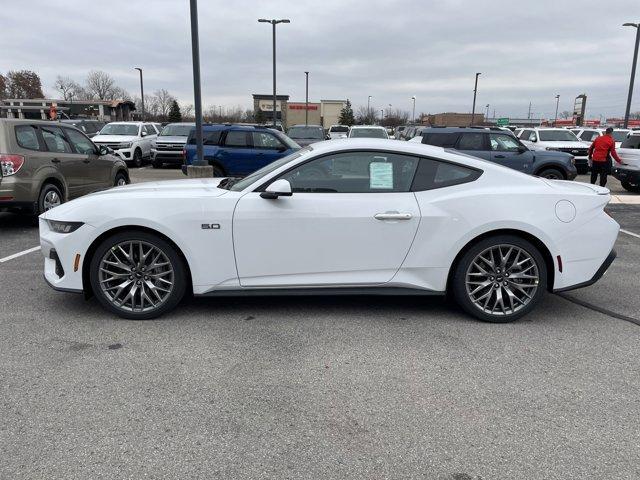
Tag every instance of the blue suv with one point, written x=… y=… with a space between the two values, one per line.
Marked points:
x=499 y=146
x=238 y=150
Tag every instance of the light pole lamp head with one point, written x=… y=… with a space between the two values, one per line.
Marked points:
x=629 y=24
x=413 y=98
x=264 y=20
x=138 y=68
x=284 y=20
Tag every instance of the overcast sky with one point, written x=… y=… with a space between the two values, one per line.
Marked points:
x=526 y=51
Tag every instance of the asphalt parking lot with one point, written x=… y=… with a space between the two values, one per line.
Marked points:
x=348 y=387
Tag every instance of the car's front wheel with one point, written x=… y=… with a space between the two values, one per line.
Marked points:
x=137 y=158
x=552 y=174
x=500 y=279
x=137 y=275
x=630 y=187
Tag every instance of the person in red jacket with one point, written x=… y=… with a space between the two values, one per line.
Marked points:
x=599 y=156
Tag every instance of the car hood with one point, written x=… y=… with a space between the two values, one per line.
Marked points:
x=552 y=154
x=629 y=156
x=171 y=139
x=81 y=208
x=115 y=138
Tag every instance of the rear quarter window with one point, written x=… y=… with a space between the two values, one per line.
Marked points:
x=27 y=137
x=445 y=140
x=632 y=142
x=432 y=174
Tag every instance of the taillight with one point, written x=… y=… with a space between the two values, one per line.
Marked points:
x=10 y=164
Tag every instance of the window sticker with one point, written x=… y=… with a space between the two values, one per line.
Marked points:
x=381 y=176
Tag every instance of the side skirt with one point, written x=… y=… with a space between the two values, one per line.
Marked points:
x=312 y=291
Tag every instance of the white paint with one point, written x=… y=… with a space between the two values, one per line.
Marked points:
x=630 y=233
x=19 y=254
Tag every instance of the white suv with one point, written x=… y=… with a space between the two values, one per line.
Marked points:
x=131 y=141
x=557 y=139
x=338 y=131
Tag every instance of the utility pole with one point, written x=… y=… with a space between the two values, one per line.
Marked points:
x=633 y=71
x=557 y=103
x=141 y=92
x=200 y=168
x=273 y=23
x=529 y=114
x=306 y=101
x=487 y=115
x=369 y=108
x=475 y=91
x=381 y=115
x=413 y=114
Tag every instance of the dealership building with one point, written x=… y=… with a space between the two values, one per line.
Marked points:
x=325 y=113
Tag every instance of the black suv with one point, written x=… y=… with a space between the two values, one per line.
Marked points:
x=501 y=146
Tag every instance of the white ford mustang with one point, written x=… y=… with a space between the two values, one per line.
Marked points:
x=366 y=216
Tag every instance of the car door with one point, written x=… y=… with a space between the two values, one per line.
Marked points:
x=475 y=144
x=236 y=154
x=508 y=151
x=267 y=148
x=98 y=173
x=150 y=135
x=350 y=221
x=71 y=165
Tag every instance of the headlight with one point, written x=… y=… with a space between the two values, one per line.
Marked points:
x=573 y=160
x=125 y=145
x=64 y=227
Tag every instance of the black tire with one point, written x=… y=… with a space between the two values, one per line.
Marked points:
x=156 y=164
x=48 y=189
x=218 y=171
x=176 y=263
x=552 y=174
x=119 y=179
x=137 y=158
x=463 y=266
x=629 y=187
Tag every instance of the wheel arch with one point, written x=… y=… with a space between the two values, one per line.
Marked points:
x=556 y=166
x=58 y=182
x=86 y=283
x=539 y=244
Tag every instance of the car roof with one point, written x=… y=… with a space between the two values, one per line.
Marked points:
x=310 y=126
x=369 y=126
x=237 y=126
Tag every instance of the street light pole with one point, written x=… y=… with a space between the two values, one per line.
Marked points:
x=413 y=113
x=369 y=106
x=555 y=121
x=381 y=115
x=633 y=71
x=475 y=91
x=141 y=91
x=195 y=55
x=306 y=100
x=273 y=23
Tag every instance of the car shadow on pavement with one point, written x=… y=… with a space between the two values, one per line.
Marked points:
x=17 y=221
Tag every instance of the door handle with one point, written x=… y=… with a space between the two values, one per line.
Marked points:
x=55 y=160
x=392 y=216
x=499 y=156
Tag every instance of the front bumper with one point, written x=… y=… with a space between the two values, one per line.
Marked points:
x=173 y=158
x=597 y=276
x=629 y=175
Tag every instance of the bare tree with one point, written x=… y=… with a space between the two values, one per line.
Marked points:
x=187 y=110
x=164 y=99
x=119 y=93
x=100 y=85
x=565 y=114
x=67 y=87
x=3 y=86
x=366 y=116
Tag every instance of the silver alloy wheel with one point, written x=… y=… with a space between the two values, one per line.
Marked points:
x=51 y=199
x=121 y=182
x=136 y=276
x=502 y=279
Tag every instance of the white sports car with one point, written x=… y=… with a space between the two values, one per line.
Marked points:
x=366 y=216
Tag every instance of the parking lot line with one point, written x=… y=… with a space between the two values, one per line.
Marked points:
x=19 y=254
x=630 y=233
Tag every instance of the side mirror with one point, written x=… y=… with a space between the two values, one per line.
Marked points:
x=533 y=138
x=279 y=188
x=143 y=134
x=104 y=150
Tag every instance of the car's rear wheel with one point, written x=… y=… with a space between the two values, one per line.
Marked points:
x=500 y=279
x=218 y=171
x=551 y=174
x=50 y=197
x=137 y=275
x=630 y=187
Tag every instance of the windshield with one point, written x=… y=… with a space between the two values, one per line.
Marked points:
x=314 y=133
x=368 y=133
x=119 y=129
x=620 y=135
x=339 y=129
x=557 y=136
x=177 y=130
x=258 y=174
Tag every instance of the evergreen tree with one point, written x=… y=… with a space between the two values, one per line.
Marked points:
x=174 y=112
x=346 y=115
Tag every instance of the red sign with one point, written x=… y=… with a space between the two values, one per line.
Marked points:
x=301 y=106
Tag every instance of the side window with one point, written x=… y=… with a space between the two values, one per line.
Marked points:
x=27 y=137
x=434 y=174
x=81 y=143
x=55 y=140
x=266 y=140
x=631 y=142
x=236 y=138
x=524 y=134
x=471 y=141
x=146 y=130
x=354 y=172
x=445 y=140
x=503 y=143
x=209 y=138
x=150 y=129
